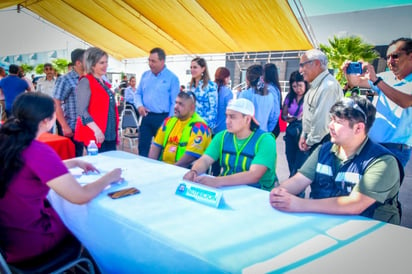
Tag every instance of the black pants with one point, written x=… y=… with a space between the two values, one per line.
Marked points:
x=150 y=124
x=107 y=146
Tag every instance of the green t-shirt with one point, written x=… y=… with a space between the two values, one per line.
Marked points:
x=380 y=181
x=265 y=155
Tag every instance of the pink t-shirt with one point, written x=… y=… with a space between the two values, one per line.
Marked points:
x=29 y=225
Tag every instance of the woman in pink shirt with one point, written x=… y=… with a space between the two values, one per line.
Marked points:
x=29 y=226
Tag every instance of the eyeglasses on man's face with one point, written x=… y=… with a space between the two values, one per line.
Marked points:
x=304 y=63
x=395 y=56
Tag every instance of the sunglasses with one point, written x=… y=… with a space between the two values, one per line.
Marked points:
x=349 y=102
x=394 y=56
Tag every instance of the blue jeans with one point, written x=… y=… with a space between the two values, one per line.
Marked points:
x=402 y=152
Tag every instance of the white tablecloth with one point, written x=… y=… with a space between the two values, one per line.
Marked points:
x=157 y=231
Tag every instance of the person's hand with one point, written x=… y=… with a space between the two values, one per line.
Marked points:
x=87 y=167
x=114 y=175
x=302 y=144
x=281 y=199
x=207 y=180
x=290 y=119
x=99 y=136
x=370 y=72
x=67 y=131
x=143 y=111
x=355 y=80
x=190 y=175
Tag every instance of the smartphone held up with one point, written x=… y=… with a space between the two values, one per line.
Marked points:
x=354 y=68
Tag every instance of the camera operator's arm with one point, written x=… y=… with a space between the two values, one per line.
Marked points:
x=401 y=99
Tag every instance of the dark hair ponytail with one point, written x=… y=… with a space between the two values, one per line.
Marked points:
x=29 y=109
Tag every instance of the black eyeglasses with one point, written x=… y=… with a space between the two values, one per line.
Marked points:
x=394 y=56
x=304 y=63
x=349 y=102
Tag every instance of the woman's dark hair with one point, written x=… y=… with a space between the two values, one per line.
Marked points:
x=28 y=110
x=295 y=77
x=254 y=75
x=205 y=77
x=271 y=75
x=220 y=75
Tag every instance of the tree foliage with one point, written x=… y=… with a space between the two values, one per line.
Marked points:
x=27 y=68
x=60 y=65
x=347 y=48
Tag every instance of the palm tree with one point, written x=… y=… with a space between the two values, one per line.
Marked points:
x=60 y=65
x=27 y=68
x=347 y=48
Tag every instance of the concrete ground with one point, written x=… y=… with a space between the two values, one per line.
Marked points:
x=405 y=194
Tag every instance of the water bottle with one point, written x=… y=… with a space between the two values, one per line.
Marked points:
x=92 y=149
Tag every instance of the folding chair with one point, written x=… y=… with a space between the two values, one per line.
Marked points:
x=65 y=256
x=129 y=128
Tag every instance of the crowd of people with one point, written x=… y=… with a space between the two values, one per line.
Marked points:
x=350 y=152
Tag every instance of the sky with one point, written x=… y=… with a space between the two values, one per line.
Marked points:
x=322 y=7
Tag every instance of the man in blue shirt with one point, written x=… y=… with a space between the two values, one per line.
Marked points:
x=12 y=85
x=392 y=127
x=155 y=98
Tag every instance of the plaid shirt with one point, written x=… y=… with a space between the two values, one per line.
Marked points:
x=65 y=91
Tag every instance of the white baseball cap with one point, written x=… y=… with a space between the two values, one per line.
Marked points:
x=243 y=106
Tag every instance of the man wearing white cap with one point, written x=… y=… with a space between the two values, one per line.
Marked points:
x=246 y=153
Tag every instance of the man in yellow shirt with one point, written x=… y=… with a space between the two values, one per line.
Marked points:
x=183 y=138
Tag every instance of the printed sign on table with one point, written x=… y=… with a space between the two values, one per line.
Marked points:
x=199 y=193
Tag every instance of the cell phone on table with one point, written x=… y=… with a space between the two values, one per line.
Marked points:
x=123 y=192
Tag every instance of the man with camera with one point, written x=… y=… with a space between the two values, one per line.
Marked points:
x=324 y=91
x=393 y=127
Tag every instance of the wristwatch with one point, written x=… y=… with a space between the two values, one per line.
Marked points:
x=377 y=81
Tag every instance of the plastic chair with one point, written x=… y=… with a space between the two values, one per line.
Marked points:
x=129 y=127
x=65 y=256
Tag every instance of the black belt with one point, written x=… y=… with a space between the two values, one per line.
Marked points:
x=396 y=146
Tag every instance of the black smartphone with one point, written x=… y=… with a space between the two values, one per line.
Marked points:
x=123 y=192
x=354 y=68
